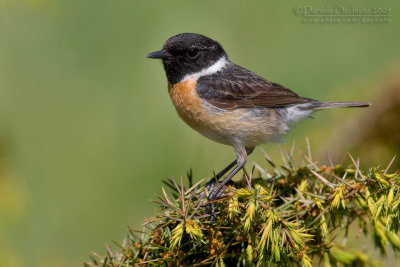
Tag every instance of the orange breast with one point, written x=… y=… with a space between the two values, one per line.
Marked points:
x=224 y=126
x=187 y=103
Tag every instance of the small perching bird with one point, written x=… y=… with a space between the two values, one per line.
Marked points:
x=228 y=103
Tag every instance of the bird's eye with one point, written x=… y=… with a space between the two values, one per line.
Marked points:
x=192 y=52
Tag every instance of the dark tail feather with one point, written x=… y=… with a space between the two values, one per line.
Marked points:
x=328 y=105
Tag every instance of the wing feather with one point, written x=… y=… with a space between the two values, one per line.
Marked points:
x=237 y=87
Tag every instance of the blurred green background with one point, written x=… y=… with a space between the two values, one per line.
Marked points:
x=87 y=129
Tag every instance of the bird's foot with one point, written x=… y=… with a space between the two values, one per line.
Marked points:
x=212 y=184
x=210 y=209
x=215 y=192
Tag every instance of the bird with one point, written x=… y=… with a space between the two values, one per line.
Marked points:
x=228 y=103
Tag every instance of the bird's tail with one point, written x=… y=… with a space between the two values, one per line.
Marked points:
x=327 y=105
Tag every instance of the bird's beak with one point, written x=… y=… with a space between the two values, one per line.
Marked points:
x=162 y=54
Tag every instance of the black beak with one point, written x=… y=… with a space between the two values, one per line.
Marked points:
x=162 y=54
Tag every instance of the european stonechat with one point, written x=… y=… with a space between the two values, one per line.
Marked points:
x=228 y=103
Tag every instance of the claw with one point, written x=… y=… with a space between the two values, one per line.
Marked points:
x=211 y=184
x=210 y=209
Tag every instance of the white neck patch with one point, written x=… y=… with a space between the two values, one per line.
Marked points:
x=217 y=66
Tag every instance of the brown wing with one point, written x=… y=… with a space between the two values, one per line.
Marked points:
x=236 y=87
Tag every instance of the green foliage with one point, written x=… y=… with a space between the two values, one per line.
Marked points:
x=286 y=216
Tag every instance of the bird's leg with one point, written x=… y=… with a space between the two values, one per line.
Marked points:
x=213 y=181
x=216 y=192
x=241 y=155
x=211 y=186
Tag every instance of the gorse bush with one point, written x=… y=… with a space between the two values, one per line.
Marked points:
x=288 y=215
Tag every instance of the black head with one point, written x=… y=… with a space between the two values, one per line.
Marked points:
x=188 y=53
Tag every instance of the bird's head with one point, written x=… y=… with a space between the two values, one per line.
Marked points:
x=188 y=53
